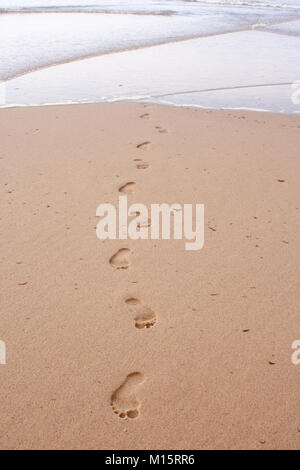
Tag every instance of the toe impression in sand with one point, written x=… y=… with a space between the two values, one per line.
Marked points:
x=142 y=165
x=124 y=401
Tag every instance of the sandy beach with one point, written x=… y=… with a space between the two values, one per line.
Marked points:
x=213 y=369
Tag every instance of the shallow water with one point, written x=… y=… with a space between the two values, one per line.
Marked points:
x=234 y=70
x=247 y=54
x=33 y=40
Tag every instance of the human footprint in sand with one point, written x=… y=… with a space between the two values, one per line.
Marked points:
x=123 y=400
x=144 y=317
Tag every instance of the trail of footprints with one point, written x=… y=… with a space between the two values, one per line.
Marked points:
x=124 y=400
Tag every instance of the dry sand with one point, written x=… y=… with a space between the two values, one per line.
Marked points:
x=213 y=370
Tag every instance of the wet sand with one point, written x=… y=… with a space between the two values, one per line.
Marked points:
x=212 y=369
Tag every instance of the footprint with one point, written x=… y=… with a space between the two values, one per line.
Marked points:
x=121 y=259
x=127 y=188
x=143 y=145
x=144 y=317
x=145 y=116
x=142 y=165
x=123 y=400
x=161 y=130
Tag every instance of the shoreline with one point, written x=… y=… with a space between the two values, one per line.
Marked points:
x=74 y=9
x=213 y=370
x=149 y=104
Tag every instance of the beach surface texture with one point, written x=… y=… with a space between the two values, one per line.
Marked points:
x=141 y=344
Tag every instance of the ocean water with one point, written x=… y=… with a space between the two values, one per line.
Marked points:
x=180 y=52
x=135 y=5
